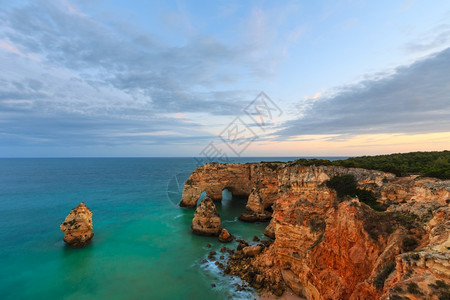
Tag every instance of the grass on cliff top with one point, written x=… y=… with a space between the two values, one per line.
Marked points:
x=346 y=185
x=430 y=164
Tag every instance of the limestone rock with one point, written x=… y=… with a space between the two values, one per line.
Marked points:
x=77 y=227
x=326 y=248
x=255 y=209
x=252 y=251
x=225 y=236
x=206 y=219
x=270 y=230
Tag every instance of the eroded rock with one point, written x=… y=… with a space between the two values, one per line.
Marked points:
x=330 y=248
x=251 y=251
x=225 y=236
x=77 y=227
x=206 y=219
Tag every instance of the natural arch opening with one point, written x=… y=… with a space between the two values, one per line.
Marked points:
x=231 y=206
x=202 y=196
x=227 y=196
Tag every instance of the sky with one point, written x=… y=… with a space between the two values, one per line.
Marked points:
x=94 y=78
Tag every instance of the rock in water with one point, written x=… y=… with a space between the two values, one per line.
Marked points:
x=251 y=251
x=225 y=236
x=206 y=219
x=77 y=227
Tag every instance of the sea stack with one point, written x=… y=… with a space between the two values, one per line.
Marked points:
x=77 y=227
x=206 y=219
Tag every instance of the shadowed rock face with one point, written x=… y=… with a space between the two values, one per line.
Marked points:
x=326 y=248
x=206 y=219
x=77 y=227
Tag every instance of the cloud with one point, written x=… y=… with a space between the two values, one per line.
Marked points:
x=72 y=79
x=414 y=99
x=434 y=40
x=127 y=59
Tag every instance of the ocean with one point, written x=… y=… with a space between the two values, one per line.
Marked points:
x=143 y=247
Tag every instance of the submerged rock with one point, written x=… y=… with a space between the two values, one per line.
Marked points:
x=206 y=219
x=242 y=244
x=225 y=236
x=77 y=227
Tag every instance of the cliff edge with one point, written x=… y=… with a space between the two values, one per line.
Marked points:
x=330 y=246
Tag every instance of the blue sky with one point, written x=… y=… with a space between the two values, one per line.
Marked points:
x=147 y=78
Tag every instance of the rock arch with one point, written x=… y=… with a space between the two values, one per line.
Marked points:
x=214 y=178
x=226 y=194
x=256 y=182
x=263 y=183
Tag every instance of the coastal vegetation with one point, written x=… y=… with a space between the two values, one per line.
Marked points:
x=383 y=275
x=346 y=185
x=429 y=164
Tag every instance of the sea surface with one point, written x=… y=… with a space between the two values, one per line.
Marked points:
x=143 y=247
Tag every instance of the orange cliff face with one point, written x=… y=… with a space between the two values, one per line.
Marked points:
x=326 y=248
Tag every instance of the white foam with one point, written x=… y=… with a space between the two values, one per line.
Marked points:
x=226 y=283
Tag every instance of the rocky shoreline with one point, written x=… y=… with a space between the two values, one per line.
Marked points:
x=328 y=246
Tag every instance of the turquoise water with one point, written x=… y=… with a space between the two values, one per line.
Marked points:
x=142 y=249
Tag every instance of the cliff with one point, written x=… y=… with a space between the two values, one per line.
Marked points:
x=77 y=226
x=330 y=247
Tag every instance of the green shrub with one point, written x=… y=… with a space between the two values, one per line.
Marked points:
x=383 y=275
x=442 y=289
x=405 y=219
x=413 y=288
x=273 y=166
x=432 y=164
x=377 y=223
x=409 y=244
x=346 y=185
x=311 y=162
x=415 y=256
x=397 y=289
x=442 y=285
x=444 y=295
x=317 y=224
